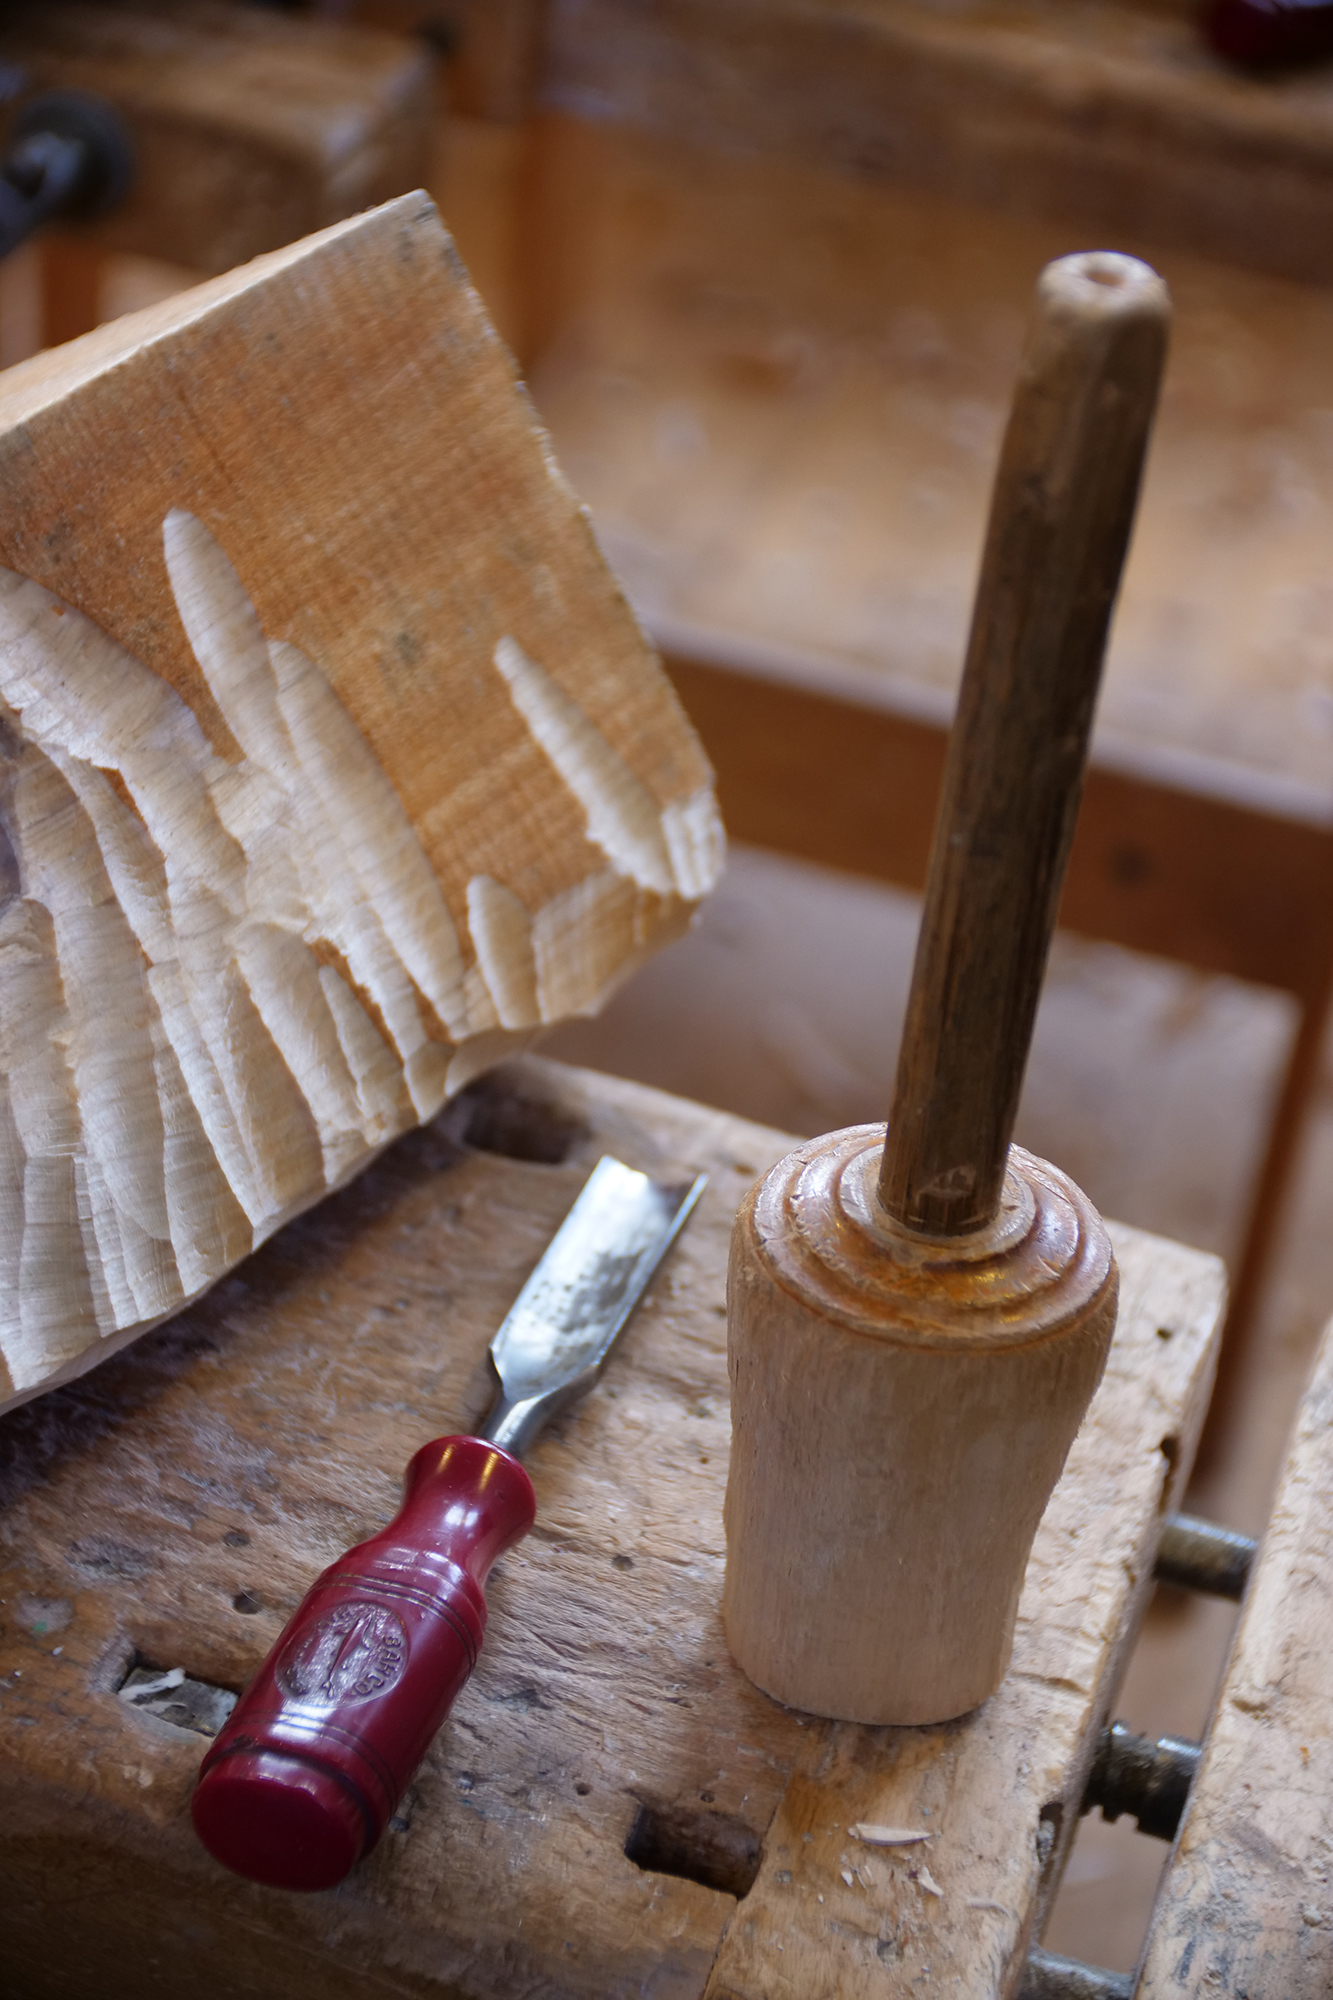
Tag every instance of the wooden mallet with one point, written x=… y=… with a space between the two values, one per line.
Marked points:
x=917 y=1322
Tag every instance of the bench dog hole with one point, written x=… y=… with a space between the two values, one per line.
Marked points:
x=494 y=1115
x=174 y=1696
x=711 y=1848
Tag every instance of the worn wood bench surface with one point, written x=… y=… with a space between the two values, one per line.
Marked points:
x=169 y=1509
x=1246 y=1904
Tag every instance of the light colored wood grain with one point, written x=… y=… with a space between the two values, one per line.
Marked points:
x=1246 y=1904
x=242 y=1447
x=335 y=765
x=901 y=1410
x=250 y=129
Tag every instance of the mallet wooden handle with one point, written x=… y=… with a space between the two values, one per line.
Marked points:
x=1060 y=519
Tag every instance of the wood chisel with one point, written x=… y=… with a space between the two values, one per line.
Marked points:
x=307 y=1772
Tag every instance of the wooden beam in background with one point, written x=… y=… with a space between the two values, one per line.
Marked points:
x=252 y=129
x=1115 y=118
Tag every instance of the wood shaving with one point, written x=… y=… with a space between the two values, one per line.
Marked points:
x=927 y=1881
x=887 y=1836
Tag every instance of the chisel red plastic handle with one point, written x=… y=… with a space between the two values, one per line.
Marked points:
x=311 y=1765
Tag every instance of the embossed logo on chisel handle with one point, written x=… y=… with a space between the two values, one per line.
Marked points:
x=352 y=1653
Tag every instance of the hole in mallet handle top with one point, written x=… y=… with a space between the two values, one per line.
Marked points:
x=1059 y=524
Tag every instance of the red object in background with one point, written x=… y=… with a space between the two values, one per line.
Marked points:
x=309 y=1768
x=1266 y=34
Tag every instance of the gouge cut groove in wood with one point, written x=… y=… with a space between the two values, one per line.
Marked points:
x=332 y=766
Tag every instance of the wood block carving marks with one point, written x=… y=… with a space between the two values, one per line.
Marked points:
x=343 y=420
x=330 y=713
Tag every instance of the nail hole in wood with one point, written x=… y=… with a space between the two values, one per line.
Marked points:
x=1049 y=1822
x=711 y=1848
x=1170 y=1450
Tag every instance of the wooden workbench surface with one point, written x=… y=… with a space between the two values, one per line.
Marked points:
x=781 y=391
x=1246 y=1903
x=169 y=1509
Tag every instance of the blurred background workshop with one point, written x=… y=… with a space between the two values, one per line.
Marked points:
x=764 y=266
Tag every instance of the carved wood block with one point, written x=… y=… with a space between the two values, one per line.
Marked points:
x=332 y=766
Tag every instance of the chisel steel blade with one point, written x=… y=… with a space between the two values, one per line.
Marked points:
x=563 y=1323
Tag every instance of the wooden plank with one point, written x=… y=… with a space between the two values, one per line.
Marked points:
x=815 y=776
x=1246 y=1904
x=229 y=1456
x=781 y=392
x=489 y=50
x=1110 y=117
x=250 y=129
x=1209 y=880
x=335 y=764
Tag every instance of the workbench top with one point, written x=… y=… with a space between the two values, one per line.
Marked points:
x=782 y=390
x=612 y=1809
x=1245 y=1906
